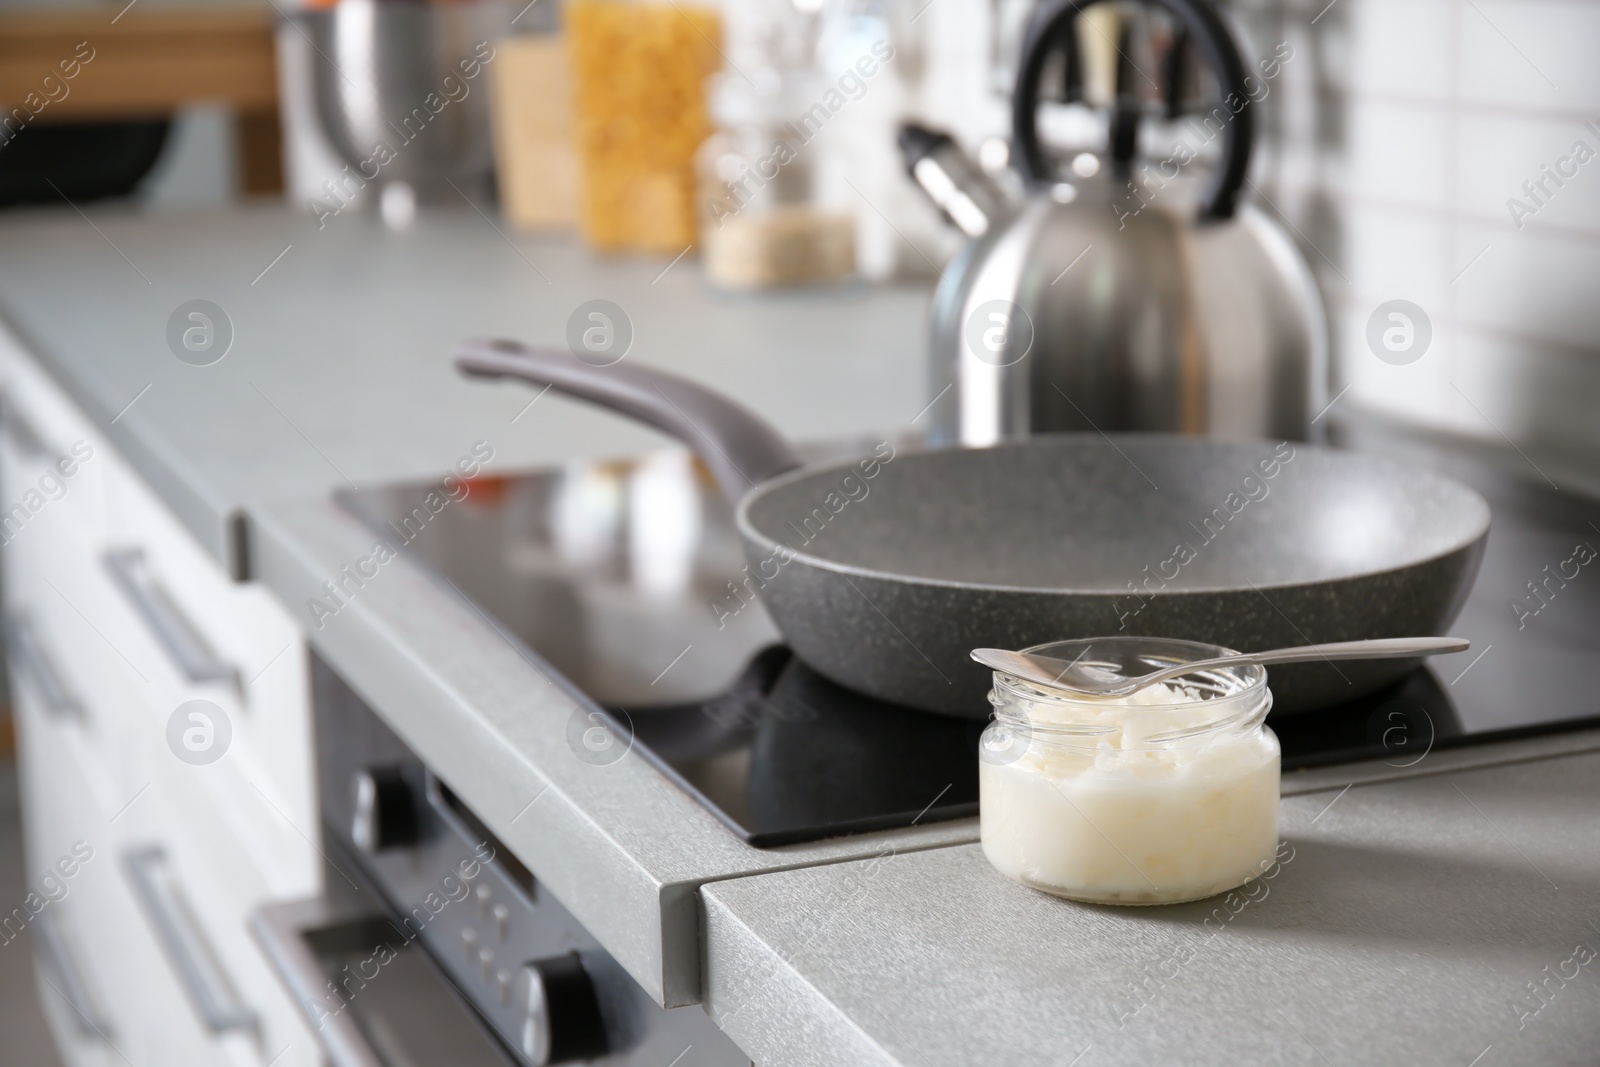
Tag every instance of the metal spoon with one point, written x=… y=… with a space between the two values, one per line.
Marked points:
x=1093 y=681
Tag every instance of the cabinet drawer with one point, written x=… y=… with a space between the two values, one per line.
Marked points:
x=248 y=759
x=72 y=832
x=210 y=638
x=185 y=845
x=45 y=656
x=71 y=994
x=65 y=623
x=55 y=473
x=221 y=809
x=73 y=805
x=134 y=962
x=235 y=1007
x=66 y=790
x=156 y=1023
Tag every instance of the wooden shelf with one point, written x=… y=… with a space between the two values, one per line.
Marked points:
x=148 y=63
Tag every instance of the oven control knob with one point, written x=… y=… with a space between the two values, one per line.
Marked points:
x=563 y=1023
x=386 y=811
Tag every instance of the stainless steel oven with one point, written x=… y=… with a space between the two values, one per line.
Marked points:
x=433 y=945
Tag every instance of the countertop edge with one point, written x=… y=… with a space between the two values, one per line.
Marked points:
x=798 y=1042
x=1444 y=761
x=217 y=524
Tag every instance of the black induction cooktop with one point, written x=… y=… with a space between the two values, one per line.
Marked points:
x=606 y=571
x=785 y=755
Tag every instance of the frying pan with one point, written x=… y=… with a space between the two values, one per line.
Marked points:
x=884 y=572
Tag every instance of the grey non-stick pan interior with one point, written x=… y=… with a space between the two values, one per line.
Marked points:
x=883 y=573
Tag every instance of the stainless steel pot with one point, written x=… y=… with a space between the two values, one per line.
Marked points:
x=402 y=90
x=1098 y=304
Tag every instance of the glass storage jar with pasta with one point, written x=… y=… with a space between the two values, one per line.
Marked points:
x=1165 y=795
x=639 y=69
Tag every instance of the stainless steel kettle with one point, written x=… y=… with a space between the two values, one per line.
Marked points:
x=1102 y=304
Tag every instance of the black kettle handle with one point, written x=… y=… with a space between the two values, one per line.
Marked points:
x=1215 y=43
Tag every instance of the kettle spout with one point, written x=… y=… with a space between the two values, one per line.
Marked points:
x=953 y=180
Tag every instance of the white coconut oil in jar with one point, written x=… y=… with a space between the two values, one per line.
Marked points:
x=1166 y=795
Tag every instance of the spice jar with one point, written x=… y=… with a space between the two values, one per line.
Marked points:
x=1166 y=795
x=762 y=224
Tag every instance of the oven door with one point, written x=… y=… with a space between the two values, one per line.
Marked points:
x=371 y=998
x=439 y=890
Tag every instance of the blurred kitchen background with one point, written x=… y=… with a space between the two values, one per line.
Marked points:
x=1395 y=139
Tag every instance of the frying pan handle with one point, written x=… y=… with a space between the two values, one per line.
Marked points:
x=1210 y=35
x=739 y=447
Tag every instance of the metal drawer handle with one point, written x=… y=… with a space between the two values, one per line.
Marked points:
x=175 y=633
x=27 y=652
x=52 y=949
x=208 y=987
x=283 y=931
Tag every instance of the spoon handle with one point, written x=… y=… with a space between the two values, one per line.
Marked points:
x=1378 y=648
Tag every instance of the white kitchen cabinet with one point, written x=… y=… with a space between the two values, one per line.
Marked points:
x=72 y=1005
x=71 y=846
x=54 y=485
x=53 y=604
x=230 y=644
x=117 y=618
x=134 y=1003
x=123 y=1004
x=188 y=842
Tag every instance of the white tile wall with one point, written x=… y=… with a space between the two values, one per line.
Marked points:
x=1397 y=143
x=1391 y=253
x=1499 y=152
x=1396 y=48
x=1538 y=285
x=1525 y=54
x=1394 y=152
x=1417 y=390
x=1552 y=386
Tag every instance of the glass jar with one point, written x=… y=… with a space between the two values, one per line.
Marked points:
x=762 y=223
x=639 y=69
x=1167 y=795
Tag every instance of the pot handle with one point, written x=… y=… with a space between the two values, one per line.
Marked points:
x=1209 y=34
x=739 y=447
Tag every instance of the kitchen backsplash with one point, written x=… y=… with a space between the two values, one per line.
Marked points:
x=1398 y=141
x=1443 y=152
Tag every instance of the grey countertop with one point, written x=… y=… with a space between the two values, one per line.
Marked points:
x=1402 y=926
x=338 y=371
x=900 y=947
